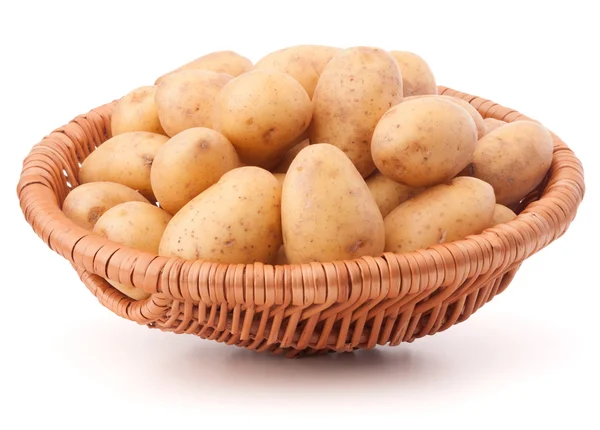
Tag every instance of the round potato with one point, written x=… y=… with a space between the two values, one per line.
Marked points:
x=514 y=159
x=189 y=163
x=502 y=214
x=136 y=225
x=262 y=113
x=327 y=211
x=305 y=63
x=136 y=111
x=355 y=89
x=443 y=213
x=389 y=194
x=228 y=62
x=87 y=202
x=125 y=159
x=237 y=220
x=492 y=124
x=424 y=141
x=289 y=156
x=417 y=78
x=185 y=99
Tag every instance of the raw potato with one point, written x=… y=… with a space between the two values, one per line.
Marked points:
x=136 y=225
x=237 y=220
x=185 y=99
x=389 y=194
x=502 y=214
x=87 y=202
x=492 y=124
x=228 y=62
x=189 y=163
x=417 y=77
x=125 y=159
x=354 y=91
x=305 y=63
x=443 y=213
x=262 y=113
x=424 y=141
x=514 y=159
x=327 y=210
x=289 y=156
x=136 y=111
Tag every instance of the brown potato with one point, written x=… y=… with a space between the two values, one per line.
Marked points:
x=355 y=89
x=185 y=99
x=87 y=202
x=136 y=111
x=502 y=214
x=417 y=78
x=492 y=124
x=125 y=159
x=228 y=62
x=289 y=156
x=424 y=141
x=389 y=194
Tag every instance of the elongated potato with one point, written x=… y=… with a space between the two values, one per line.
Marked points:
x=237 y=220
x=417 y=77
x=228 y=62
x=492 y=124
x=355 y=89
x=502 y=214
x=443 y=213
x=136 y=111
x=289 y=156
x=87 y=202
x=125 y=159
x=327 y=210
x=389 y=194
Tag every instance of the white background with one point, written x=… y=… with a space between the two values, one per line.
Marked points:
x=530 y=357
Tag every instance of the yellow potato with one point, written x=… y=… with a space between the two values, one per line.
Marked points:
x=237 y=220
x=502 y=214
x=136 y=111
x=87 y=202
x=125 y=159
x=227 y=62
x=355 y=89
x=389 y=194
x=443 y=213
x=514 y=159
x=303 y=63
x=327 y=211
x=492 y=124
x=424 y=141
x=189 y=163
x=185 y=99
x=417 y=77
x=262 y=113
x=136 y=225
x=289 y=156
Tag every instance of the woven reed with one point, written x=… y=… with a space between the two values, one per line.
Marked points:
x=296 y=309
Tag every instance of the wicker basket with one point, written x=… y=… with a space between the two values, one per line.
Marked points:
x=296 y=309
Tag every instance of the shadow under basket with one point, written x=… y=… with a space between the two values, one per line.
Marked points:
x=296 y=309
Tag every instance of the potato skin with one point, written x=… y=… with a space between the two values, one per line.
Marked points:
x=136 y=111
x=87 y=202
x=189 y=163
x=492 y=124
x=355 y=89
x=125 y=159
x=502 y=215
x=289 y=156
x=136 y=225
x=237 y=220
x=389 y=194
x=424 y=141
x=327 y=210
x=228 y=62
x=417 y=77
x=185 y=99
x=444 y=213
x=262 y=113
x=514 y=159
x=305 y=63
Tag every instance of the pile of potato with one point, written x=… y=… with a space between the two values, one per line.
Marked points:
x=312 y=154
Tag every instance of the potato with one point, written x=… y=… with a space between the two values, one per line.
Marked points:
x=492 y=124
x=502 y=214
x=125 y=159
x=443 y=213
x=136 y=225
x=514 y=159
x=237 y=220
x=262 y=113
x=189 y=163
x=136 y=111
x=289 y=156
x=227 y=62
x=87 y=202
x=355 y=89
x=327 y=211
x=424 y=141
x=185 y=99
x=389 y=194
x=417 y=77
x=303 y=63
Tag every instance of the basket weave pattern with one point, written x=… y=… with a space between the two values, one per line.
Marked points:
x=296 y=309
